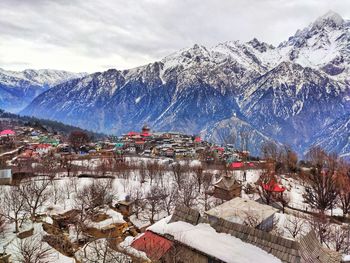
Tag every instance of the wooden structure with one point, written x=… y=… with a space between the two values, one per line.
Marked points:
x=227 y=188
x=245 y=212
x=125 y=207
x=5 y=258
x=307 y=250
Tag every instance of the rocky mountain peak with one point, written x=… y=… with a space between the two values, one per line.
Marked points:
x=330 y=19
x=260 y=46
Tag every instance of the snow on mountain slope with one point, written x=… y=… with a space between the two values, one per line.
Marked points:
x=18 y=88
x=229 y=131
x=323 y=45
x=291 y=103
x=41 y=77
x=335 y=137
x=286 y=93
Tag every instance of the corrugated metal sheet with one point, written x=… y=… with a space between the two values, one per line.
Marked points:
x=6 y=174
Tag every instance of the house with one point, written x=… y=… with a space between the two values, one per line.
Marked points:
x=196 y=239
x=140 y=145
x=131 y=149
x=7 y=133
x=182 y=239
x=153 y=245
x=43 y=148
x=6 y=177
x=227 y=188
x=244 y=211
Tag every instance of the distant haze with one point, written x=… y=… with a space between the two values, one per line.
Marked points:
x=91 y=35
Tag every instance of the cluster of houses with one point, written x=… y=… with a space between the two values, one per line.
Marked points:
x=175 y=145
x=35 y=143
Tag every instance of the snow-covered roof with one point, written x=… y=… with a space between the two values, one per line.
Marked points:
x=205 y=239
x=238 y=210
x=226 y=183
x=114 y=218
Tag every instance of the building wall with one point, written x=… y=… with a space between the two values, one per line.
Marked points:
x=182 y=254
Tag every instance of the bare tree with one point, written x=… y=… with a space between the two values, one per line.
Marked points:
x=321 y=225
x=56 y=193
x=289 y=159
x=99 y=251
x=48 y=166
x=154 y=200
x=35 y=194
x=206 y=183
x=295 y=226
x=340 y=237
x=2 y=223
x=98 y=193
x=137 y=195
x=284 y=199
x=188 y=194
x=142 y=172
x=67 y=164
x=343 y=187
x=13 y=206
x=154 y=170
x=172 y=196
x=321 y=193
x=198 y=174
x=84 y=202
x=33 y=250
x=179 y=173
x=78 y=139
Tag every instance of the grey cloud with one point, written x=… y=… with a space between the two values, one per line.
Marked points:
x=135 y=32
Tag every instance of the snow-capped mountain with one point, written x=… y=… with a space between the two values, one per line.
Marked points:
x=286 y=93
x=335 y=137
x=291 y=103
x=322 y=45
x=19 y=88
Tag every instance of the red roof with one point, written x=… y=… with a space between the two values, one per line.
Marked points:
x=272 y=186
x=153 y=245
x=237 y=165
x=139 y=142
x=43 y=146
x=132 y=133
x=7 y=132
x=197 y=139
x=145 y=134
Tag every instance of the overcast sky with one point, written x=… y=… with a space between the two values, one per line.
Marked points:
x=94 y=35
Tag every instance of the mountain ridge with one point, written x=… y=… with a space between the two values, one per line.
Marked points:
x=280 y=91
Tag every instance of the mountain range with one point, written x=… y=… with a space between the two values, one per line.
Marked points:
x=18 y=89
x=296 y=93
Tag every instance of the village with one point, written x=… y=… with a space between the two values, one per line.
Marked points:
x=150 y=196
